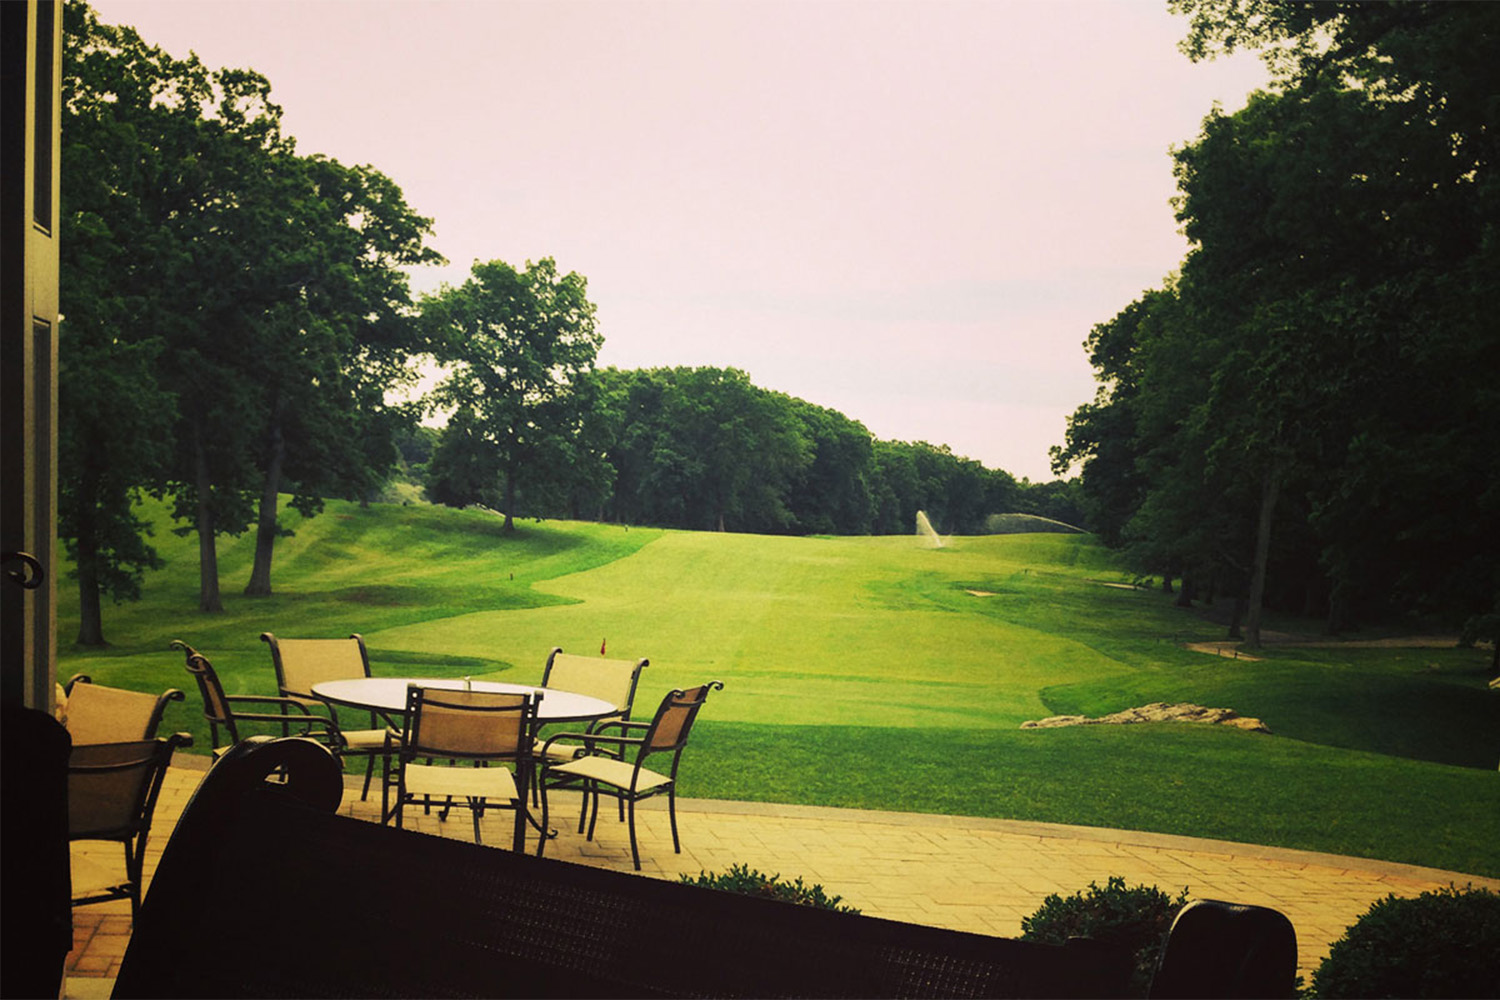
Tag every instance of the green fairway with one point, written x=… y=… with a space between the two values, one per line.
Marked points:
x=874 y=672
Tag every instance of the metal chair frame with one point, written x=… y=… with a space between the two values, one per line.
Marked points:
x=416 y=742
x=294 y=688
x=142 y=761
x=219 y=708
x=667 y=733
x=150 y=717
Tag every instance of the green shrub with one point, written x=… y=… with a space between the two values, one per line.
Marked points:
x=1138 y=918
x=749 y=882
x=1439 y=944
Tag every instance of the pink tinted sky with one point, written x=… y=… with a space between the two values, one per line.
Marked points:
x=911 y=212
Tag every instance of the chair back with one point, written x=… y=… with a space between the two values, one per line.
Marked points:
x=95 y=713
x=669 y=731
x=609 y=680
x=112 y=787
x=301 y=663
x=473 y=725
x=215 y=706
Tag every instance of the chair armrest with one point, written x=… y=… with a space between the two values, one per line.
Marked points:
x=76 y=679
x=618 y=724
x=590 y=739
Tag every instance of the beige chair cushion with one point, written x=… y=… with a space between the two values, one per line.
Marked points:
x=91 y=874
x=460 y=781
x=612 y=772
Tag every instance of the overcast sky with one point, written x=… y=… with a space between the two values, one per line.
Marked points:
x=911 y=212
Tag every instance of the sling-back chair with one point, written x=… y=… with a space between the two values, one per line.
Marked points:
x=96 y=713
x=477 y=727
x=222 y=710
x=604 y=767
x=112 y=792
x=301 y=663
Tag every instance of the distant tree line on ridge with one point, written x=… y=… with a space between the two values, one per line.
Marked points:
x=237 y=316
x=706 y=449
x=1305 y=416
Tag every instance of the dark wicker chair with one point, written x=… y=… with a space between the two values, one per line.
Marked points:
x=112 y=792
x=301 y=663
x=473 y=727
x=222 y=710
x=604 y=768
x=474 y=921
x=95 y=713
x=1245 y=951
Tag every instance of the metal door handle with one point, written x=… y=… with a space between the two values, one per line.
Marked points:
x=29 y=563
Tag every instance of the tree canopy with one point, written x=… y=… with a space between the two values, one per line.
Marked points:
x=1305 y=413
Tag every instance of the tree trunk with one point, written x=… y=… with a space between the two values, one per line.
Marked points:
x=90 y=612
x=1237 y=616
x=265 y=527
x=1185 y=594
x=510 y=502
x=208 y=555
x=1270 y=487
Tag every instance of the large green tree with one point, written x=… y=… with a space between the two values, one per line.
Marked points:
x=519 y=346
x=338 y=336
x=1310 y=396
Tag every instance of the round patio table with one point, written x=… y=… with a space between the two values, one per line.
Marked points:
x=387 y=695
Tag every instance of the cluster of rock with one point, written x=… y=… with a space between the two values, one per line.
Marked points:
x=1158 y=711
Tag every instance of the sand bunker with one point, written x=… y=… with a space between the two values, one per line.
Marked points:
x=1158 y=711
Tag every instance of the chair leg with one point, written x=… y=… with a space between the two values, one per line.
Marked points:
x=594 y=819
x=541 y=835
x=369 y=773
x=635 y=853
x=672 y=812
x=476 y=809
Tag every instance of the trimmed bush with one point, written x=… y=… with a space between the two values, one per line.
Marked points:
x=748 y=882
x=1137 y=917
x=1439 y=944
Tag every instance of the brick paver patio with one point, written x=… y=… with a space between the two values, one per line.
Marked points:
x=978 y=875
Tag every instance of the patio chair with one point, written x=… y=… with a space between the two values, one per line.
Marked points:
x=112 y=791
x=480 y=727
x=611 y=680
x=221 y=709
x=95 y=713
x=603 y=772
x=301 y=663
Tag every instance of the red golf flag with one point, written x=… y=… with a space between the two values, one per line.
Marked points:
x=601 y=646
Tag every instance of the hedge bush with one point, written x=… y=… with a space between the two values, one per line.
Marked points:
x=1137 y=917
x=749 y=882
x=1439 y=944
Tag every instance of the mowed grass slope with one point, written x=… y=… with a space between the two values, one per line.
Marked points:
x=866 y=672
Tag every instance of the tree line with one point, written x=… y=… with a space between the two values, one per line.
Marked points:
x=1304 y=416
x=705 y=449
x=238 y=316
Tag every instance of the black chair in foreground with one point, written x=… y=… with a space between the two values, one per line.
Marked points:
x=1246 y=951
x=604 y=768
